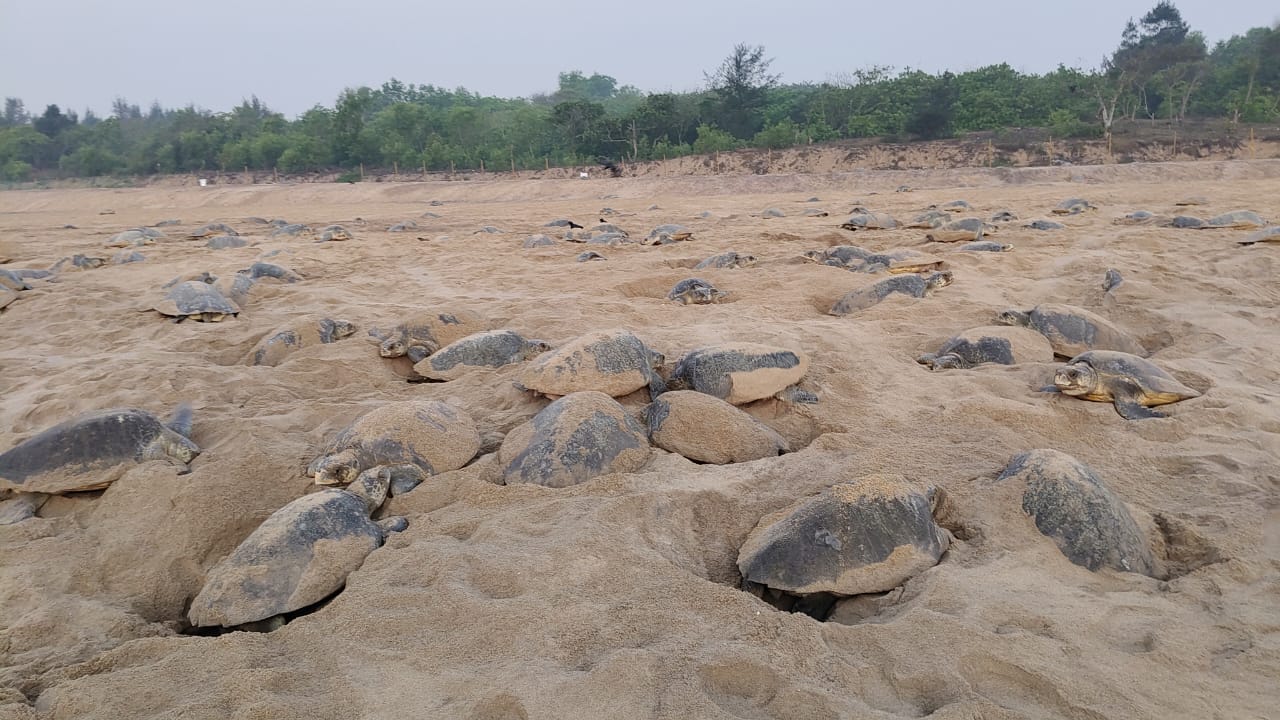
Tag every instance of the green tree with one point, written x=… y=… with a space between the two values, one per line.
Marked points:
x=741 y=87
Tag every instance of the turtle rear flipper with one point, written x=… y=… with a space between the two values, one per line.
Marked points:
x=181 y=419
x=1126 y=397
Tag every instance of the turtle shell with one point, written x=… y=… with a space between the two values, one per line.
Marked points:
x=197 y=300
x=739 y=373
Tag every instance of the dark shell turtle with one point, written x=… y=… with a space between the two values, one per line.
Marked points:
x=590 y=255
x=772 y=213
x=985 y=246
x=419 y=336
x=1131 y=383
x=1187 y=222
x=955 y=206
x=999 y=344
x=223 y=242
x=130 y=238
x=210 y=230
x=488 y=230
x=491 y=349
x=278 y=344
x=706 y=429
x=124 y=257
x=727 y=260
x=574 y=439
x=93 y=450
x=666 y=234
x=196 y=300
x=931 y=219
x=291 y=230
x=815 y=212
x=614 y=362
x=1070 y=504
x=1004 y=216
x=431 y=435
x=1044 y=225
x=402 y=226
x=863 y=537
x=90 y=262
x=1072 y=330
x=300 y=555
x=740 y=373
x=1073 y=206
x=917 y=286
x=260 y=270
x=13 y=281
x=534 y=241
x=696 y=291
x=839 y=255
x=334 y=233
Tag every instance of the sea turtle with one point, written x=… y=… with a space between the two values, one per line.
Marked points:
x=839 y=255
x=430 y=215
x=962 y=230
x=534 y=241
x=815 y=212
x=613 y=239
x=1070 y=504
x=91 y=262
x=402 y=226
x=1240 y=219
x=1072 y=330
x=488 y=230
x=917 y=286
x=772 y=213
x=13 y=281
x=898 y=261
x=300 y=555
x=955 y=206
x=276 y=345
x=574 y=439
x=727 y=260
x=985 y=246
x=222 y=242
x=706 y=429
x=260 y=270
x=1187 y=222
x=279 y=223
x=869 y=221
x=696 y=291
x=491 y=349
x=739 y=373
x=590 y=255
x=867 y=536
x=1130 y=382
x=196 y=300
x=33 y=274
x=210 y=230
x=999 y=344
x=613 y=361
x=1271 y=234
x=1004 y=216
x=1073 y=206
x=1044 y=225
x=129 y=238
x=291 y=230
x=170 y=222
x=1111 y=280
x=930 y=219
x=1138 y=217
x=668 y=232
x=433 y=436
x=334 y=233
x=419 y=336
x=93 y=450
x=562 y=222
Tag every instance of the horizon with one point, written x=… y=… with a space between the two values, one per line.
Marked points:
x=1014 y=35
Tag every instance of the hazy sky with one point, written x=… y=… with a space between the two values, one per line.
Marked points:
x=294 y=54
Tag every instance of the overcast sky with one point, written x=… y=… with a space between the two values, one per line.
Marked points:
x=294 y=54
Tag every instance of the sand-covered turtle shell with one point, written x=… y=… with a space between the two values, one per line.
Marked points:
x=196 y=300
x=92 y=451
x=492 y=349
x=727 y=260
x=1073 y=330
x=863 y=537
x=1070 y=504
x=869 y=221
x=574 y=439
x=432 y=435
x=1000 y=344
x=419 y=335
x=739 y=373
x=916 y=286
x=707 y=429
x=278 y=344
x=613 y=361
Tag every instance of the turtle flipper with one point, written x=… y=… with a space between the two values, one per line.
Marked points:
x=657 y=385
x=405 y=478
x=20 y=507
x=392 y=524
x=181 y=420
x=1126 y=402
x=418 y=353
x=794 y=394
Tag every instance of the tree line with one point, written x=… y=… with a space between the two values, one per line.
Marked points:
x=1160 y=70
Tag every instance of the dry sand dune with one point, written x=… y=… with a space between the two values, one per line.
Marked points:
x=619 y=597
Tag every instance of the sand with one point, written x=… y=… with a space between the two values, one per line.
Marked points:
x=619 y=597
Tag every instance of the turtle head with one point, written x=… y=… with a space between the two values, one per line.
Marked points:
x=814 y=255
x=1075 y=379
x=939 y=279
x=1013 y=317
x=337 y=469
x=178 y=447
x=343 y=329
x=534 y=348
x=393 y=347
x=372 y=486
x=747 y=260
x=656 y=359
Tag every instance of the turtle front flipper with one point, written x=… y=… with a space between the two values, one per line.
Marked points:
x=948 y=361
x=392 y=524
x=794 y=394
x=657 y=385
x=418 y=353
x=405 y=478
x=1125 y=396
x=181 y=420
x=20 y=507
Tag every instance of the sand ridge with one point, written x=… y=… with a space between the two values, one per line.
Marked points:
x=618 y=597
